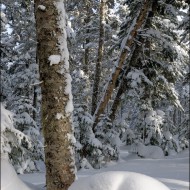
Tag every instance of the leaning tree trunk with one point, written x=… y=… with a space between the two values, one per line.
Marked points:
x=123 y=83
x=100 y=57
x=52 y=56
x=138 y=23
x=123 y=86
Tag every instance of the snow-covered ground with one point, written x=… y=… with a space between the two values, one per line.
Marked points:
x=9 y=179
x=173 y=171
x=114 y=180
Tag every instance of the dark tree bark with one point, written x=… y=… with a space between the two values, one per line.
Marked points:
x=100 y=57
x=34 y=103
x=87 y=41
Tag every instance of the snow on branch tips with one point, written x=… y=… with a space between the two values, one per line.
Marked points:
x=8 y=129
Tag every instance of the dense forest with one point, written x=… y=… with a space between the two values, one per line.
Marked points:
x=81 y=77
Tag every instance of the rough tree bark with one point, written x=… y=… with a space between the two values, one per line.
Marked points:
x=100 y=57
x=140 y=20
x=56 y=116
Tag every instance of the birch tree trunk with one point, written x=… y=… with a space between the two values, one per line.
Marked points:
x=52 y=56
x=100 y=57
x=138 y=23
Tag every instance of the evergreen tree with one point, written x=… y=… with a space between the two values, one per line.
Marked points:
x=88 y=147
x=156 y=64
x=83 y=52
x=19 y=66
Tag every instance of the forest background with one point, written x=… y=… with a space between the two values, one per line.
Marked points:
x=130 y=79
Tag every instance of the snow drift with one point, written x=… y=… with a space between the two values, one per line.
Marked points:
x=9 y=178
x=118 y=181
x=154 y=152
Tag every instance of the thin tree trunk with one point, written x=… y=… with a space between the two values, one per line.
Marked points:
x=34 y=103
x=87 y=41
x=100 y=57
x=56 y=112
x=174 y=116
x=122 y=88
x=140 y=19
x=86 y=56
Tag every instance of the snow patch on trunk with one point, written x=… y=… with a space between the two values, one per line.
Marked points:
x=64 y=53
x=42 y=7
x=64 y=70
x=54 y=59
x=59 y=116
